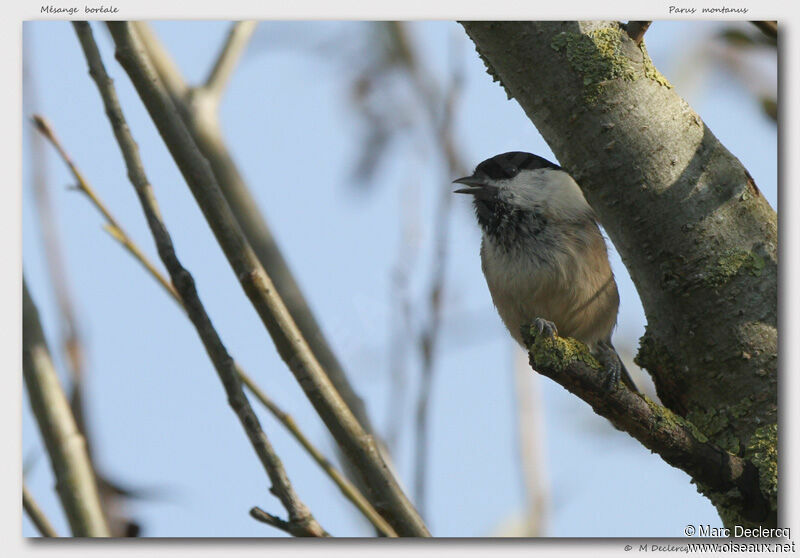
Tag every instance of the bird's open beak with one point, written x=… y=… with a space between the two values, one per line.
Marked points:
x=477 y=187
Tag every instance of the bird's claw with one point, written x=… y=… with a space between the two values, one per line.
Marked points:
x=609 y=358
x=545 y=327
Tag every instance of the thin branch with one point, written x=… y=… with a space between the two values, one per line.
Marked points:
x=36 y=514
x=66 y=447
x=205 y=130
x=237 y=40
x=199 y=112
x=637 y=29
x=440 y=112
x=112 y=225
x=348 y=489
x=119 y=234
x=293 y=528
x=185 y=286
x=569 y=363
x=360 y=447
x=71 y=342
x=400 y=326
x=769 y=28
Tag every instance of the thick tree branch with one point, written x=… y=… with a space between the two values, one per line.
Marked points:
x=185 y=286
x=679 y=442
x=66 y=447
x=697 y=236
x=385 y=493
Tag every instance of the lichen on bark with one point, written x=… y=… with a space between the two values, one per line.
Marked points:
x=601 y=55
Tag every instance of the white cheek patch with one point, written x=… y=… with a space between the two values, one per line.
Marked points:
x=550 y=190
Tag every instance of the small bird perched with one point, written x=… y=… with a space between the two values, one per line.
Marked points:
x=543 y=255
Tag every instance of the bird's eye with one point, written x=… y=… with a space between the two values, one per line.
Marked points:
x=512 y=171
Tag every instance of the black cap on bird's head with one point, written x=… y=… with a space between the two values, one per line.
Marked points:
x=483 y=183
x=501 y=167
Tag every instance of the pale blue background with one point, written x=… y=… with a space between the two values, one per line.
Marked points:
x=157 y=411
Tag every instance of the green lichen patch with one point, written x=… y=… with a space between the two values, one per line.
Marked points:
x=716 y=423
x=651 y=72
x=557 y=353
x=729 y=442
x=731 y=264
x=598 y=57
x=664 y=418
x=655 y=357
x=762 y=451
x=710 y=421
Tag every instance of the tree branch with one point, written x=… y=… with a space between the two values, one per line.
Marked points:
x=71 y=341
x=118 y=233
x=185 y=286
x=237 y=40
x=385 y=494
x=440 y=110
x=66 y=447
x=679 y=442
x=637 y=29
x=769 y=28
x=294 y=528
x=203 y=125
x=697 y=236
x=112 y=225
x=36 y=514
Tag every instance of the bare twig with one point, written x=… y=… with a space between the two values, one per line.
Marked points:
x=440 y=112
x=294 y=529
x=769 y=28
x=204 y=128
x=71 y=342
x=200 y=114
x=184 y=284
x=36 y=514
x=66 y=447
x=637 y=29
x=348 y=489
x=385 y=493
x=112 y=225
x=119 y=234
x=400 y=327
x=237 y=40
x=569 y=363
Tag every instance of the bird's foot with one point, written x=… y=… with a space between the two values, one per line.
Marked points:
x=545 y=327
x=609 y=358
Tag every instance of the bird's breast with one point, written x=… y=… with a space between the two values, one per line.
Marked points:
x=571 y=287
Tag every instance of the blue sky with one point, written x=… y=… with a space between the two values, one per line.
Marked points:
x=158 y=413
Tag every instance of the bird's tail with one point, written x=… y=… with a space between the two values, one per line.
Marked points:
x=611 y=356
x=626 y=377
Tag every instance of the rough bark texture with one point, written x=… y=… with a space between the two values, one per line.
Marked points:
x=697 y=236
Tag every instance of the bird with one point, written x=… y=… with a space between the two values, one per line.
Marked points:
x=543 y=255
